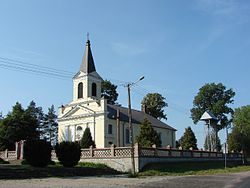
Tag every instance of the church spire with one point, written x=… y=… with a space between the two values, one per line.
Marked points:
x=88 y=64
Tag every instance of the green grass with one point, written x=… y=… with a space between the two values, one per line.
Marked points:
x=3 y=161
x=93 y=165
x=191 y=168
x=25 y=171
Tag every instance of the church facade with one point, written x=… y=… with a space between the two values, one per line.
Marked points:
x=108 y=123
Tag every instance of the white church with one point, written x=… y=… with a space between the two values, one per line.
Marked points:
x=108 y=123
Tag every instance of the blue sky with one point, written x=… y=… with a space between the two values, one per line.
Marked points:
x=177 y=45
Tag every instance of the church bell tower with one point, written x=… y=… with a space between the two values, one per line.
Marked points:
x=87 y=82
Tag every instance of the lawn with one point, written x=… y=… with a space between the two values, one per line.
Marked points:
x=26 y=171
x=191 y=168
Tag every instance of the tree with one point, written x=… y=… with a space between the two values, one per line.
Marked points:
x=188 y=140
x=87 y=140
x=50 y=126
x=18 y=125
x=212 y=142
x=235 y=140
x=109 y=92
x=148 y=136
x=214 y=98
x=239 y=139
x=1 y=116
x=36 y=113
x=154 y=105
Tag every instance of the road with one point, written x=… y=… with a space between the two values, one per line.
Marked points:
x=239 y=180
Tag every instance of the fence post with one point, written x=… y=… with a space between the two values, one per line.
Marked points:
x=16 y=148
x=91 y=151
x=191 y=152
x=112 y=150
x=155 y=150
x=181 y=152
x=6 y=154
x=21 y=149
x=169 y=150
x=136 y=150
x=201 y=152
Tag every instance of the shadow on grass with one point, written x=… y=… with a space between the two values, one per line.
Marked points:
x=187 y=168
x=26 y=171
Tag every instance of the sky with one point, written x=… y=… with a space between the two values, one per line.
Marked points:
x=177 y=45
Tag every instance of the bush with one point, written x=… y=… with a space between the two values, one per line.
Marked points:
x=3 y=161
x=37 y=152
x=86 y=140
x=68 y=153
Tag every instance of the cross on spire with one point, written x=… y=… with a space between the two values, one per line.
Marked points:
x=87 y=36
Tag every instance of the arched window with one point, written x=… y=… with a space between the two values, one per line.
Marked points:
x=79 y=132
x=80 y=90
x=94 y=89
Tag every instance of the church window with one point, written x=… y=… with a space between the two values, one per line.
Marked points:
x=80 y=90
x=127 y=136
x=79 y=132
x=94 y=89
x=110 y=129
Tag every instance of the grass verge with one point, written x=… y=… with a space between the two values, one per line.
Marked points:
x=27 y=171
x=191 y=168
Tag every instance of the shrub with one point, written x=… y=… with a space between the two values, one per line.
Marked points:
x=68 y=153
x=86 y=140
x=37 y=153
x=3 y=161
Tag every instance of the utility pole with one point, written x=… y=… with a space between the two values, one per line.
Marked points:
x=131 y=130
x=130 y=124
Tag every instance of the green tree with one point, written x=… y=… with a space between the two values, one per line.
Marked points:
x=235 y=140
x=109 y=92
x=212 y=142
x=188 y=139
x=87 y=140
x=239 y=139
x=148 y=136
x=154 y=105
x=214 y=98
x=36 y=113
x=1 y=116
x=50 y=126
x=18 y=125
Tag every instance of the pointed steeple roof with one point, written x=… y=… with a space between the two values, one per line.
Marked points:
x=87 y=65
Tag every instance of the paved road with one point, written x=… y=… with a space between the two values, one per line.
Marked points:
x=239 y=180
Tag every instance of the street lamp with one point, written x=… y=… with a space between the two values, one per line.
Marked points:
x=129 y=85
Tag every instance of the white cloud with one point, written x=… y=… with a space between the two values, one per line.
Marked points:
x=234 y=10
x=127 y=49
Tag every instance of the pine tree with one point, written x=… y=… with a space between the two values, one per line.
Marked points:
x=37 y=114
x=20 y=124
x=86 y=140
x=148 y=136
x=50 y=126
x=188 y=139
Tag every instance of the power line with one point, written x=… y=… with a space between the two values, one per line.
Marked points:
x=20 y=66
x=171 y=104
x=31 y=71
x=22 y=63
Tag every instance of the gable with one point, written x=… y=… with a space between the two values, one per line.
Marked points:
x=78 y=110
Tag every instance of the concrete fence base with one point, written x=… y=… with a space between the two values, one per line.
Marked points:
x=119 y=158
